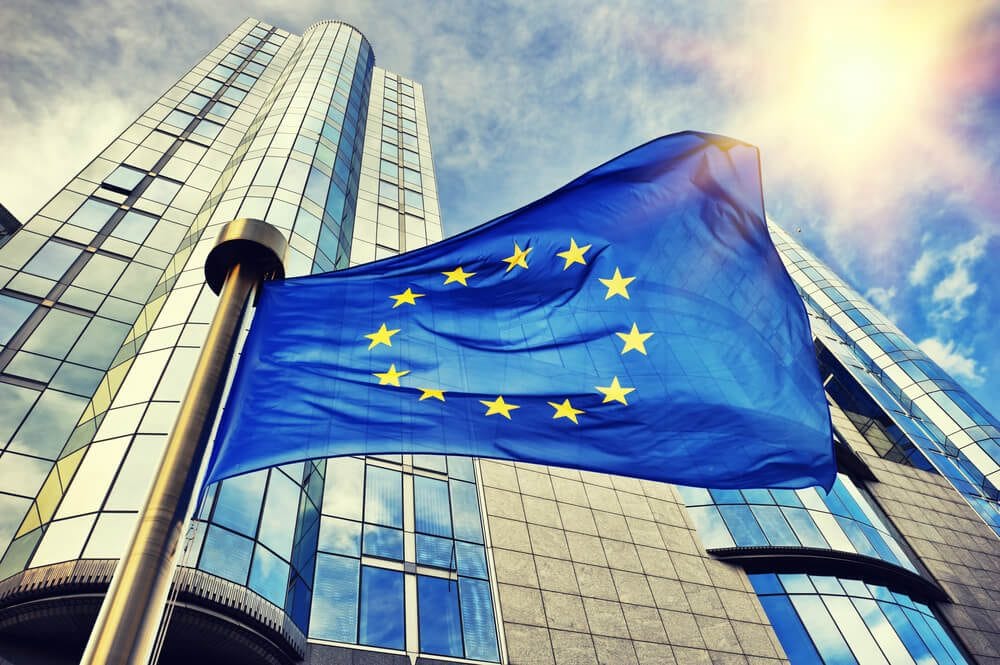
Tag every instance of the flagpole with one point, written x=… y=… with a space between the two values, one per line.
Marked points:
x=247 y=252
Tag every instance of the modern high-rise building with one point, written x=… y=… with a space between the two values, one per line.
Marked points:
x=396 y=559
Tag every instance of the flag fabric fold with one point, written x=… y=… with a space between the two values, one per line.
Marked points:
x=637 y=321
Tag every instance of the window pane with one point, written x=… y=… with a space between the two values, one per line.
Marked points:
x=382 y=619
x=335 y=599
x=465 y=511
x=238 y=504
x=161 y=190
x=477 y=620
x=57 y=332
x=48 y=426
x=99 y=343
x=440 y=625
x=125 y=178
x=227 y=555
x=387 y=190
x=793 y=635
x=93 y=214
x=430 y=499
x=276 y=529
x=269 y=576
x=134 y=226
x=340 y=536
x=383 y=542
x=471 y=560
x=178 y=119
x=16 y=401
x=823 y=630
x=437 y=552
x=13 y=312
x=384 y=497
x=52 y=260
x=344 y=487
x=207 y=129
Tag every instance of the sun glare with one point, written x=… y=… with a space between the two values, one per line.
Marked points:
x=850 y=97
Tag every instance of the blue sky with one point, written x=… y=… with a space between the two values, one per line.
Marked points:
x=877 y=122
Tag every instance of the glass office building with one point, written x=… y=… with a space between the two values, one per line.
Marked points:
x=387 y=559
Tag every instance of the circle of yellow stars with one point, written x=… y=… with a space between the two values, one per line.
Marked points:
x=616 y=284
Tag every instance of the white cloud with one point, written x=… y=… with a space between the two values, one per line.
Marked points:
x=957 y=286
x=882 y=298
x=923 y=267
x=954 y=360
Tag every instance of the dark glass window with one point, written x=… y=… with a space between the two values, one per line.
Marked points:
x=440 y=623
x=382 y=618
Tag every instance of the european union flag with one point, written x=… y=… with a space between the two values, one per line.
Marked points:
x=637 y=321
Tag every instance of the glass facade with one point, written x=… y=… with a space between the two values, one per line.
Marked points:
x=844 y=520
x=828 y=620
x=955 y=434
x=103 y=310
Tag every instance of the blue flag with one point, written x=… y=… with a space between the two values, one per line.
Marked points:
x=637 y=321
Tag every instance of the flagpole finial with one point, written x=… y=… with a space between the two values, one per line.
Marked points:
x=251 y=242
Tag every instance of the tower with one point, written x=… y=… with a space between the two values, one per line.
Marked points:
x=370 y=560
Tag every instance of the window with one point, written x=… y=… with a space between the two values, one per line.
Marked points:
x=221 y=111
x=124 y=179
x=453 y=614
x=207 y=129
x=388 y=190
x=93 y=214
x=178 y=119
x=52 y=260
x=13 y=313
x=837 y=620
x=842 y=520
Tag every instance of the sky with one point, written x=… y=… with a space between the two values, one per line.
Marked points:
x=878 y=122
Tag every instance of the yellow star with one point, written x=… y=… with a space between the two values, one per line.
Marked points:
x=457 y=275
x=635 y=340
x=574 y=254
x=519 y=258
x=617 y=285
x=431 y=392
x=615 y=392
x=498 y=406
x=390 y=377
x=408 y=297
x=566 y=410
x=381 y=336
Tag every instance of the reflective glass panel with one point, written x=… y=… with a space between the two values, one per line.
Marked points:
x=125 y=178
x=227 y=555
x=478 y=622
x=52 y=260
x=384 y=497
x=382 y=617
x=13 y=312
x=440 y=623
x=335 y=599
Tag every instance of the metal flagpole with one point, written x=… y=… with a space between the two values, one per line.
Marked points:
x=247 y=251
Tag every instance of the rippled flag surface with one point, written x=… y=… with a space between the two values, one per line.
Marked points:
x=637 y=321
